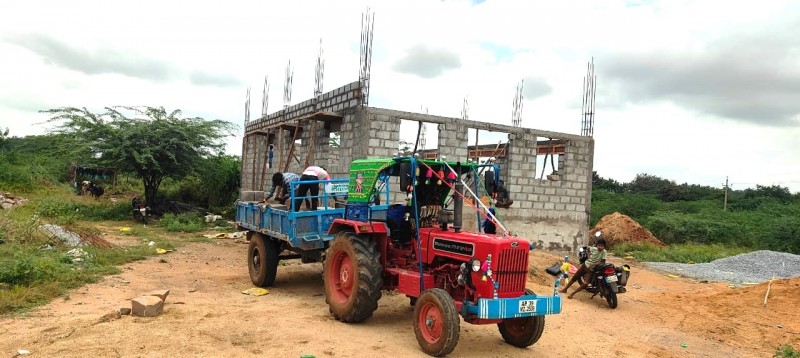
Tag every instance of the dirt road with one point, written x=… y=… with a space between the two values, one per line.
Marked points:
x=206 y=315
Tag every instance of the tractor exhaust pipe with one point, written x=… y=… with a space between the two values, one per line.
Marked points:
x=458 y=209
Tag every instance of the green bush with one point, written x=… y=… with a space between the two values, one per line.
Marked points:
x=186 y=222
x=786 y=351
x=67 y=211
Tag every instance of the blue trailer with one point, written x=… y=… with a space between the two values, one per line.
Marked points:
x=273 y=229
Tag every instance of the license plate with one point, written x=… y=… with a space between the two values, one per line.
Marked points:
x=611 y=279
x=527 y=306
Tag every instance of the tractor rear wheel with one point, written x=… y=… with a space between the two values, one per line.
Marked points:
x=352 y=277
x=522 y=332
x=262 y=259
x=436 y=322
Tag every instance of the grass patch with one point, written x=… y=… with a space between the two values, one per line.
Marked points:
x=787 y=351
x=30 y=276
x=683 y=253
x=185 y=222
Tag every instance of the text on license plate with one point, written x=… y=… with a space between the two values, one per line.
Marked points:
x=611 y=279
x=527 y=306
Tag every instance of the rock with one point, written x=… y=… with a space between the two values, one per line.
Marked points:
x=124 y=311
x=147 y=306
x=161 y=294
x=23 y=352
x=6 y=205
x=109 y=317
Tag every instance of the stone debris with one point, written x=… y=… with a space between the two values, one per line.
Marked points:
x=108 y=317
x=150 y=304
x=124 y=311
x=162 y=294
x=69 y=238
x=147 y=306
x=8 y=201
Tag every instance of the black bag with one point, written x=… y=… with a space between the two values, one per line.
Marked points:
x=554 y=270
x=584 y=255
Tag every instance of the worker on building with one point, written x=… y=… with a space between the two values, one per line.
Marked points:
x=283 y=181
x=311 y=173
x=502 y=197
x=597 y=256
x=270 y=155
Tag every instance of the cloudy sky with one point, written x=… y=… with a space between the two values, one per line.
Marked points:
x=690 y=91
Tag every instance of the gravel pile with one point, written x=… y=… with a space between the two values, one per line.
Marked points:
x=69 y=238
x=752 y=267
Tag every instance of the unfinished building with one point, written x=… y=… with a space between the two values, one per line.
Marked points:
x=550 y=208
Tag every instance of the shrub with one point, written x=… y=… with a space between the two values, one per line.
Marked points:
x=786 y=351
x=187 y=222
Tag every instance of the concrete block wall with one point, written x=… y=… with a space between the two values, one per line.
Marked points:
x=551 y=214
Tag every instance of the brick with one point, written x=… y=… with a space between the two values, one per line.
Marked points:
x=549 y=206
x=526 y=205
x=538 y=205
x=162 y=294
x=147 y=306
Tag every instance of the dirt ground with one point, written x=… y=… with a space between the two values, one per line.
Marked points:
x=207 y=315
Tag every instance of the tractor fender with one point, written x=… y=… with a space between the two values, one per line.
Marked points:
x=359 y=227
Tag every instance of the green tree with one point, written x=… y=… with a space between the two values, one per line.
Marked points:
x=3 y=139
x=151 y=142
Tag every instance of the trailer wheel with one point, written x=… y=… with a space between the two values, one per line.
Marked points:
x=436 y=322
x=262 y=260
x=522 y=332
x=352 y=277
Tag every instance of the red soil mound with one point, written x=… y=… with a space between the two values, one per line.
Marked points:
x=618 y=228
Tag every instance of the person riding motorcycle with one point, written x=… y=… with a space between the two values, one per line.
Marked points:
x=597 y=256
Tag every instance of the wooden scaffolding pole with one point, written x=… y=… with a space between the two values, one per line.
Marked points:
x=266 y=160
x=313 y=145
x=291 y=148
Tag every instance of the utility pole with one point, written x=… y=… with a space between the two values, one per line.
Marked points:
x=725 y=203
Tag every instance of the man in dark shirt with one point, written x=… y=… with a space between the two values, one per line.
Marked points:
x=503 y=199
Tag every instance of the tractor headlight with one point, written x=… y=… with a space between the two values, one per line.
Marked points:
x=476 y=265
x=461 y=279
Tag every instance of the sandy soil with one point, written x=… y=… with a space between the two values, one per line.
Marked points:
x=206 y=315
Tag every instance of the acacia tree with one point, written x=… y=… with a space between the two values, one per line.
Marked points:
x=150 y=142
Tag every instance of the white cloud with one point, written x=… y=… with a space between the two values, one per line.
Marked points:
x=210 y=54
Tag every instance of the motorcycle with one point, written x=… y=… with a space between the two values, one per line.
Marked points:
x=140 y=211
x=606 y=280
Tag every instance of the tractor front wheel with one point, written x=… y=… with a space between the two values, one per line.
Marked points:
x=352 y=277
x=522 y=332
x=436 y=322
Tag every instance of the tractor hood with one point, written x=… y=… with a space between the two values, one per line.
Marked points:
x=464 y=246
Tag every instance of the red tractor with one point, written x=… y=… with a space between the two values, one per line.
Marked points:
x=419 y=249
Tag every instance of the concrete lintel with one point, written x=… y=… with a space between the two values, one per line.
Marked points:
x=493 y=127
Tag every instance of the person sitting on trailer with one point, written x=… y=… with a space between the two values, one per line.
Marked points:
x=282 y=180
x=311 y=173
x=502 y=196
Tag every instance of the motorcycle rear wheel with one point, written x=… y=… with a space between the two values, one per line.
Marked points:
x=610 y=295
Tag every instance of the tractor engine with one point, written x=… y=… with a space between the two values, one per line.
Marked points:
x=479 y=265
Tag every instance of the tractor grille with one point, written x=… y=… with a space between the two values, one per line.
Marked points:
x=512 y=270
